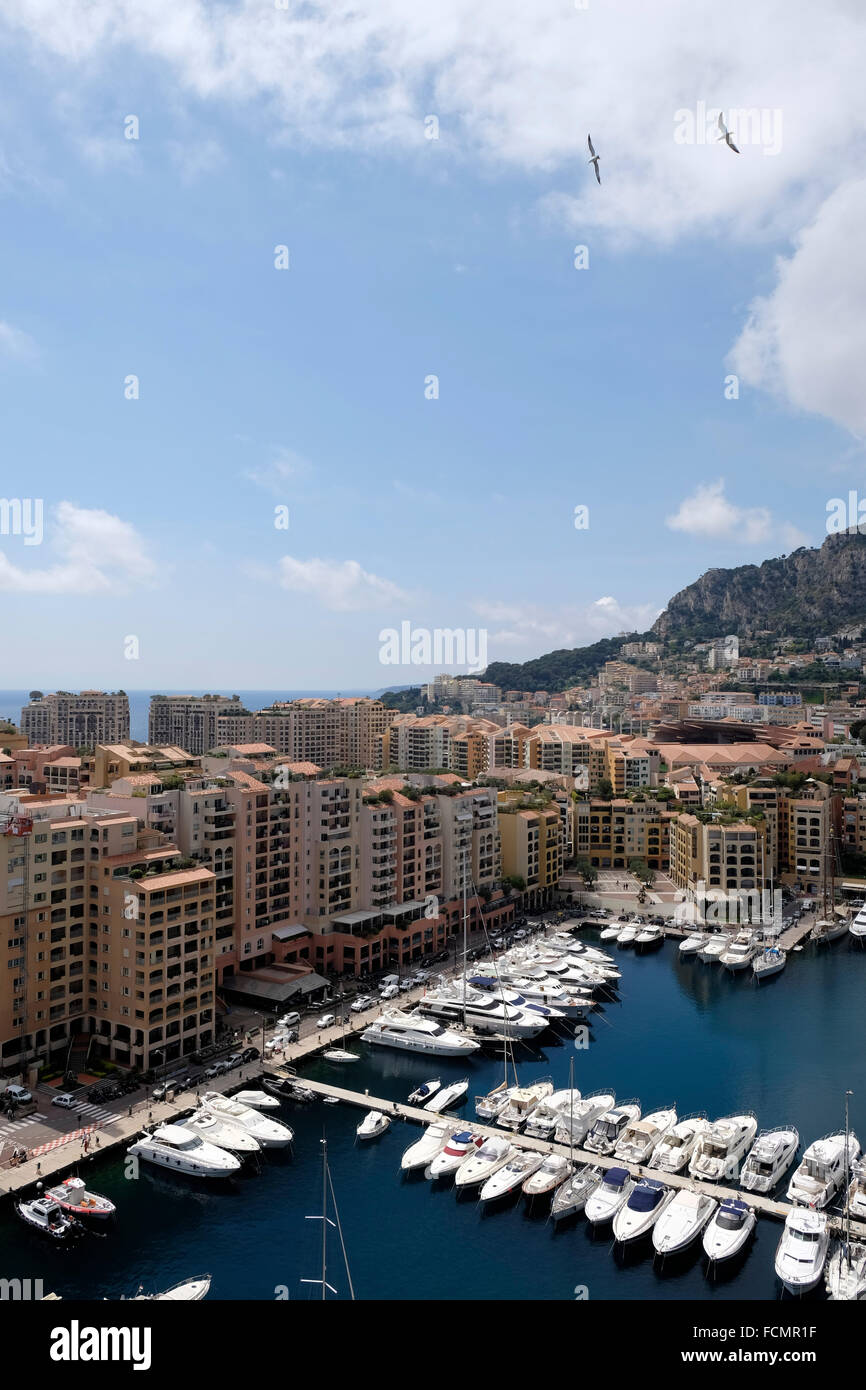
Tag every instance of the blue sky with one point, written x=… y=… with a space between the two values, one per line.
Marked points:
x=409 y=257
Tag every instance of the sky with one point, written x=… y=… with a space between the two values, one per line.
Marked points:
x=250 y=470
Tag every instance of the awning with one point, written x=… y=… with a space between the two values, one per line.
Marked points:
x=289 y=933
x=252 y=987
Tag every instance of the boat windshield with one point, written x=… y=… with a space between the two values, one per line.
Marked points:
x=761 y=1169
x=615 y=1179
x=674 y=1141
x=731 y=1218
x=645 y=1198
x=807 y=1237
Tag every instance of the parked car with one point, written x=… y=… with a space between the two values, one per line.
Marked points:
x=19 y=1095
x=290 y=1020
x=250 y=1054
x=326 y=1021
x=65 y=1101
x=406 y=985
x=234 y=1059
x=390 y=992
x=215 y=1069
x=359 y=1005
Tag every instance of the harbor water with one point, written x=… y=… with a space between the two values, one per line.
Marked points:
x=680 y=1032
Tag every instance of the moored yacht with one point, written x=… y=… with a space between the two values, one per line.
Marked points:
x=576 y=1121
x=414 y=1033
x=802 y=1251
x=739 y=953
x=447 y=1096
x=271 y=1134
x=546 y=1115
x=641 y=1209
x=677 y=1146
x=257 y=1100
x=627 y=936
x=856 y=1198
x=512 y=1174
x=522 y=1102
x=457 y=1147
x=609 y=1127
x=216 y=1130
x=690 y=945
x=648 y=936
x=611 y=1193
x=425 y=1149
x=373 y=1124
x=714 y=946
x=187 y=1291
x=483 y=1012
x=845 y=1274
x=478 y=1167
x=72 y=1196
x=857 y=929
x=180 y=1149
x=769 y=1158
x=721 y=1146
x=426 y=1091
x=768 y=962
x=571 y=1197
x=639 y=1141
x=822 y=1170
x=551 y=1173
x=682 y=1221
x=729 y=1231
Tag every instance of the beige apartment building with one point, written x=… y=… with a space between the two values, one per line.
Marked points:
x=82 y=720
x=532 y=846
x=612 y=833
x=721 y=857
x=189 y=721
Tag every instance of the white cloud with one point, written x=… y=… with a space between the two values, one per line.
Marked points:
x=535 y=629
x=340 y=585
x=95 y=551
x=806 y=341
x=709 y=512
x=285 y=468
x=16 y=344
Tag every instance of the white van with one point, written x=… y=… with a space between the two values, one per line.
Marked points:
x=389 y=981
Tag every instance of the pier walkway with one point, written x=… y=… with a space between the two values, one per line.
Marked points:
x=765 y=1206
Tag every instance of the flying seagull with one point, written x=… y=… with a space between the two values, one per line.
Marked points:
x=594 y=160
x=726 y=135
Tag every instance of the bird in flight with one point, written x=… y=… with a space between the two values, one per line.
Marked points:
x=594 y=160
x=726 y=135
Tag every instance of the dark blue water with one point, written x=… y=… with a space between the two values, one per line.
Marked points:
x=11 y=702
x=682 y=1032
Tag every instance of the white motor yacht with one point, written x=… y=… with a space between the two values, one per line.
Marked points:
x=187 y=1291
x=489 y=1107
x=552 y=1172
x=857 y=929
x=611 y=1193
x=729 y=1231
x=856 y=1198
x=683 y=1221
x=548 y=992
x=628 y=935
x=845 y=1274
x=677 y=1146
x=571 y=1197
x=426 y=1091
x=721 y=1146
x=425 y=1149
x=478 y=1167
x=271 y=1134
x=512 y=1174
x=373 y=1124
x=822 y=1170
x=216 y=1130
x=639 y=1141
x=457 y=1148
x=45 y=1216
x=690 y=945
x=447 y=1096
x=546 y=1116
x=575 y=1122
x=641 y=1209
x=183 y=1151
x=490 y=984
x=258 y=1100
x=714 y=946
x=802 y=1251
x=768 y=962
x=414 y=1033
x=769 y=1159
x=611 y=933
x=484 y=1012
x=652 y=935
x=609 y=1127
x=740 y=952
x=522 y=1102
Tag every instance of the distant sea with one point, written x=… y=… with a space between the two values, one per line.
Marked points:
x=12 y=701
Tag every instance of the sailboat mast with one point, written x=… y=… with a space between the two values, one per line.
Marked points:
x=465 y=930
x=847 y=1186
x=324 y=1216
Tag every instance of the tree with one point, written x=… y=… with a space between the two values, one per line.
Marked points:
x=587 y=871
x=605 y=789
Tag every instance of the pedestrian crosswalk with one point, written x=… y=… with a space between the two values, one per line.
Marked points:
x=96 y=1112
x=15 y=1126
x=92 y=1114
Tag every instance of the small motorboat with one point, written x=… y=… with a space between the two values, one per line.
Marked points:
x=609 y=1127
x=639 y=1141
x=425 y=1149
x=478 y=1167
x=627 y=935
x=611 y=933
x=425 y=1092
x=512 y=1174
x=46 y=1217
x=213 y=1129
x=448 y=1096
x=845 y=1274
x=72 y=1196
x=682 y=1221
x=769 y=1158
x=571 y=1197
x=553 y=1171
x=714 y=946
x=522 y=1102
x=690 y=945
x=675 y=1148
x=648 y=937
x=576 y=1121
x=611 y=1193
x=187 y=1291
x=802 y=1251
x=373 y=1125
x=823 y=1169
x=721 y=1146
x=641 y=1209
x=340 y=1054
x=259 y=1100
x=729 y=1231
x=456 y=1148
x=286 y=1089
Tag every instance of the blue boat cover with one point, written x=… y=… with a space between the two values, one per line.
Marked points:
x=615 y=1177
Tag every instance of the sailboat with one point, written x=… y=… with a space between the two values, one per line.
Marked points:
x=832 y=924
x=328 y=1186
x=341 y=1054
x=845 y=1274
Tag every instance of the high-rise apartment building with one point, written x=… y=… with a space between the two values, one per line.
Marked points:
x=81 y=720
x=190 y=721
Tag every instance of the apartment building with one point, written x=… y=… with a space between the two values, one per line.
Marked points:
x=82 y=720
x=189 y=721
x=532 y=846
x=611 y=833
x=417 y=744
x=717 y=856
